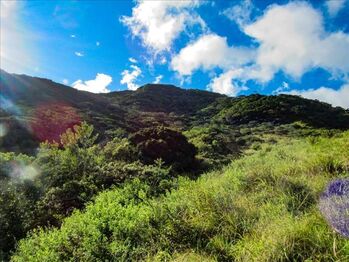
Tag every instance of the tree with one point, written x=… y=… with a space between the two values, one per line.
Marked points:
x=70 y=173
x=167 y=144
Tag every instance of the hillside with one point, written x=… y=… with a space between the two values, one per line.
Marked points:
x=100 y=177
x=28 y=103
x=262 y=207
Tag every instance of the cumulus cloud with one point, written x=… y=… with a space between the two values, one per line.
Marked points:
x=207 y=52
x=338 y=97
x=240 y=13
x=292 y=38
x=98 y=85
x=158 y=79
x=159 y=23
x=129 y=77
x=224 y=83
x=334 y=6
x=79 y=54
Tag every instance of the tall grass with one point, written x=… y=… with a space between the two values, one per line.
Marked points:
x=262 y=207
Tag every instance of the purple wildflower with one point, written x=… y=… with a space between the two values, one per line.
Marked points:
x=334 y=206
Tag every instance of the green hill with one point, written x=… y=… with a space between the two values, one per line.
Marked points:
x=23 y=96
x=166 y=174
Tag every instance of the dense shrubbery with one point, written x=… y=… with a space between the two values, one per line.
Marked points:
x=63 y=177
x=166 y=144
x=282 y=109
x=42 y=190
x=262 y=207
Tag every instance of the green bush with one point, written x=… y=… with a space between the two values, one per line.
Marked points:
x=262 y=207
x=163 y=143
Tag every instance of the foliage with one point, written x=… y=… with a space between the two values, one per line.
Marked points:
x=119 y=189
x=17 y=213
x=119 y=114
x=262 y=207
x=121 y=149
x=283 y=109
x=42 y=190
x=18 y=194
x=166 y=144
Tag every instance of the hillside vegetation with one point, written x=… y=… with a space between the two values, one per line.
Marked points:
x=29 y=103
x=262 y=207
x=167 y=174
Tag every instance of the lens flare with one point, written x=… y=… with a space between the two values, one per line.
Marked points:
x=3 y=130
x=50 y=120
x=334 y=206
x=8 y=106
x=22 y=171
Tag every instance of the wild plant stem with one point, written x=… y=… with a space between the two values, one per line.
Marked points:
x=334 y=245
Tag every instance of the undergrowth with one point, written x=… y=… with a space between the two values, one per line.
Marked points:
x=261 y=207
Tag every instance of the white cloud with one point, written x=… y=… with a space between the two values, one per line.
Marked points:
x=289 y=38
x=98 y=85
x=240 y=13
x=338 y=97
x=159 y=23
x=293 y=39
x=334 y=6
x=224 y=83
x=129 y=78
x=163 y=60
x=65 y=81
x=79 y=54
x=207 y=52
x=158 y=79
x=285 y=86
x=132 y=60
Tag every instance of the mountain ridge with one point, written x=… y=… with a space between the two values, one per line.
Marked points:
x=150 y=105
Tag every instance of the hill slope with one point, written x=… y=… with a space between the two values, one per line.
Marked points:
x=30 y=104
x=153 y=143
x=262 y=207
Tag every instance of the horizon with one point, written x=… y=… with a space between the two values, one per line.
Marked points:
x=232 y=48
x=165 y=85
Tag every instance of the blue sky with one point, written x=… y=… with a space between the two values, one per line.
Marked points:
x=230 y=47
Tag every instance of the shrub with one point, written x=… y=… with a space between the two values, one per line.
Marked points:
x=163 y=143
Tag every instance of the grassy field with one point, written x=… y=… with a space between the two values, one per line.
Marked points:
x=261 y=207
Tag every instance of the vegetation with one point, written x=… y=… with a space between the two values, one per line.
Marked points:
x=166 y=174
x=166 y=144
x=42 y=190
x=35 y=103
x=262 y=207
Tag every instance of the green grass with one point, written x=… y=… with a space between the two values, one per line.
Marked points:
x=262 y=207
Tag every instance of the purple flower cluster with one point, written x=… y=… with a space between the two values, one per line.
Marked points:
x=334 y=206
